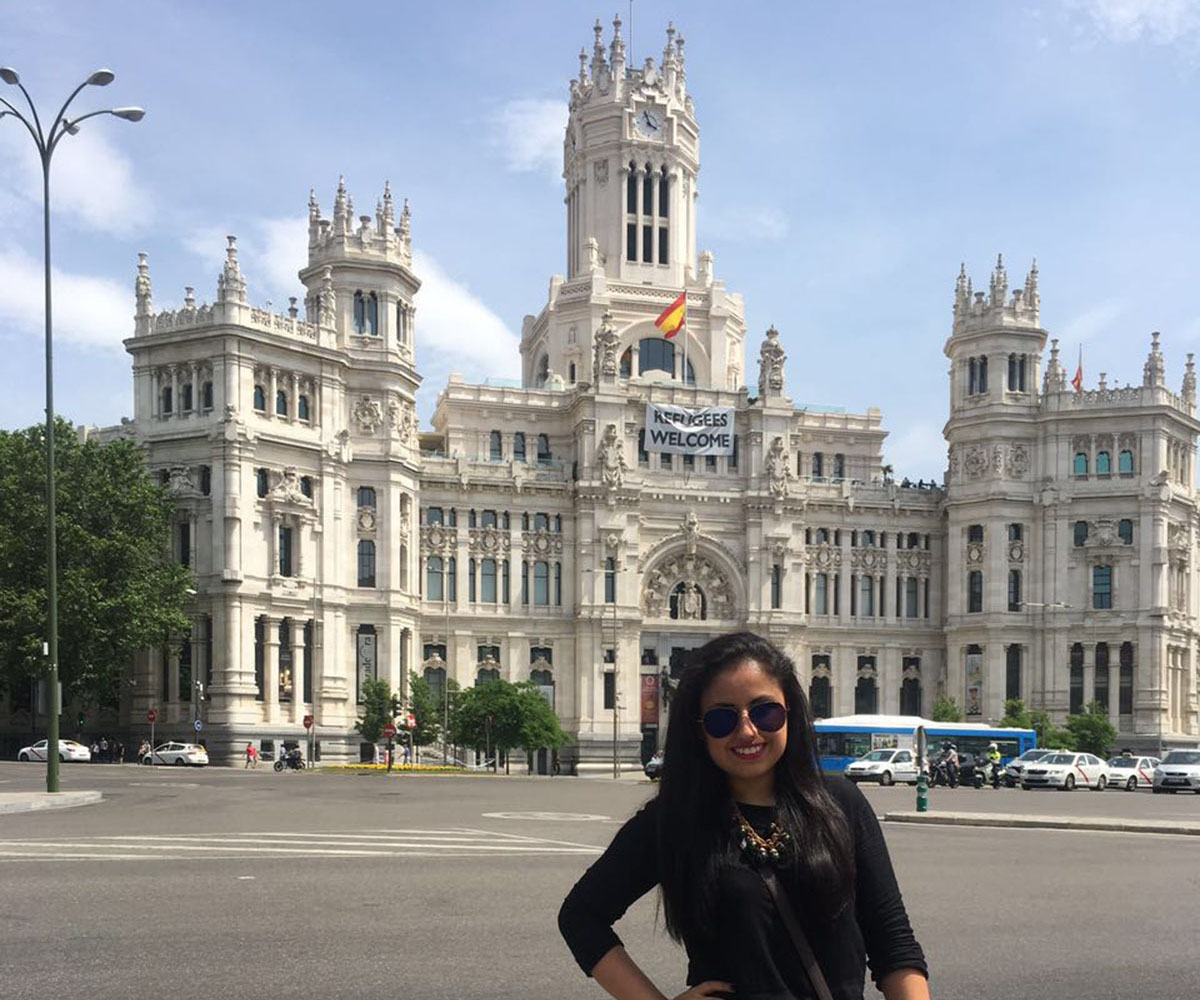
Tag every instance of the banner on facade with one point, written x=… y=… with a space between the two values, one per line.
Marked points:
x=679 y=430
x=649 y=699
x=974 y=693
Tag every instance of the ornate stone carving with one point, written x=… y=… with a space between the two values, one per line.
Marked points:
x=823 y=556
x=868 y=559
x=974 y=552
x=180 y=485
x=701 y=581
x=542 y=542
x=366 y=520
x=1018 y=461
x=604 y=361
x=288 y=489
x=489 y=540
x=1016 y=552
x=600 y=170
x=368 y=414
x=691 y=531
x=689 y=602
x=975 y=462
x=611 y=458
x=436 y=537
x=777 y=469
x=770 y=365
x=402 y=420
x=327 y=315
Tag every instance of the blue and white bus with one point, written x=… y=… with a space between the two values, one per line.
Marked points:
x=845 y=739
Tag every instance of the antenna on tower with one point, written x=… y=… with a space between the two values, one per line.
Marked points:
x=632 y=51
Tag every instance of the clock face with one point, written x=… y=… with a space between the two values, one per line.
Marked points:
x=648 y=123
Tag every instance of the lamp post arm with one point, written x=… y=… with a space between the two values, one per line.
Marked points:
x=58 y=119
x=38 y=134
x=69 y=127
x=23 y=120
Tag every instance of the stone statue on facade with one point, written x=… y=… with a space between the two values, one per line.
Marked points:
x=611 y=458
x=327 y=314
x=770 y=365
x=777 y=469
x=689 y=602
x=288 y=487
x=604 y=361
x=691 y=531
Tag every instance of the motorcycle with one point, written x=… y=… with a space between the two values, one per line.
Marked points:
x=293 y=761
x=940 y=773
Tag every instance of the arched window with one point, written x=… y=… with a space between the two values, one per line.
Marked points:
x=541 y=522
x=1103 y=464
x=360 y=313
x=433 y=578
x=471 y=580
x=281 y=403
x=820 y=698
x=543 y=449
x=1080 y=533
x=486 y=675
x=372 y=315
x=972 y=377
x=260 y=399
x=543 y=370
x=366 y=563
x=401 y=324
x=452 y=578
x=519 y=447
x=656 y=354
x=571 y=373
x=186 y=398
x=1080 y=466
x=487 y=581
x=302 y=410
x=541 y=583
x=866 y=696
x=495 y=447
x=261 y=482
x=631 y=190
x=983 y=366
x=1014 y=590
x=1012 y=672
x=206 y=396
x=206 y=479
x=626 y=369
x=910 y=696
x=1125 y=462
x=167 y=400
x=1076 y=685
x=435 y=677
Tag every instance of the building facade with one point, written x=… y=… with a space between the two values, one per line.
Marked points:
x=535 y=534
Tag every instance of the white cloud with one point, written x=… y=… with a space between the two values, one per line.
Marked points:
x=270 y=252
x=1164 y=22
x=92 y=183
x=94 y=312
x=529 y=133
x=918 y=452
x=456 y=331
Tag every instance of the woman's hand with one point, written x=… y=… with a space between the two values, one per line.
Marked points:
x=704 y=990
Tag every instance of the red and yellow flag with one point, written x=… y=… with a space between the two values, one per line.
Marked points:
x=673 y=317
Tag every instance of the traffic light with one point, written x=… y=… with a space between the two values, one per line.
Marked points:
x=82 y=720
x=396 y=707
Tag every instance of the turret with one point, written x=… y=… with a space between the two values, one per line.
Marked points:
x=1154 y=372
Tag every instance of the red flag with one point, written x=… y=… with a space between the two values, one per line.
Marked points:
x=673 y=317
x=1077 y=381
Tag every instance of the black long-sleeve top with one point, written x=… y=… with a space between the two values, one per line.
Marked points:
x=750 y=946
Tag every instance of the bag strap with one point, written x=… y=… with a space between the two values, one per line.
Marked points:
x=796 y=933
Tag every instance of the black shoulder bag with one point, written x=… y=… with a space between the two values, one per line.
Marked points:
x=796 y=933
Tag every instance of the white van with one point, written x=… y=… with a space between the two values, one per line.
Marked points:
x=885 y=766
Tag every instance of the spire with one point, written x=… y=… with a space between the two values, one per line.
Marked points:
x=340 y=214
x=141 y=287
x=999 y=283
x=231 y=286
x=1033 y=298
x=387 y=217
x=582 y=65
x=1154 y=372
x=1189 y=381
x=617 y=50
x=962 y=293
x=599 y=61
x=405 y=230
x=1052 y=380
x=327 y=299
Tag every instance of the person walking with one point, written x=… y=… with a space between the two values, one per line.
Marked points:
x=250 y=756
x=775 y=879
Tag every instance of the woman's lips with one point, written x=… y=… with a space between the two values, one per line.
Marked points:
x=751 y=751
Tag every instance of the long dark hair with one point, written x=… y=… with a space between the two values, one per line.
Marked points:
x=695 y=808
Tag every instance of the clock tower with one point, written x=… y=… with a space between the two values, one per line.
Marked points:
x=631 y=154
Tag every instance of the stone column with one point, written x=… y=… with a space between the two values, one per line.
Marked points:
x=271 y=391
x=173 y=713
x=297 y=671
x=270 y=669
x=175 y=401
x=889 y=680
x=195 y=388
x=294 y=408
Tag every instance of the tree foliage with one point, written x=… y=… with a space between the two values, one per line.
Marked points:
x=118 y=592
x=1091 y=732
x=1016 y=715
x=946 y=710
x=376 y=709
x=501 y=715
x=429 y=710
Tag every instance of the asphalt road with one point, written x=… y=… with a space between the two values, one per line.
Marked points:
x=193 y=884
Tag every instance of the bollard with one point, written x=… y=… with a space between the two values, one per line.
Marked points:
x=922 y=792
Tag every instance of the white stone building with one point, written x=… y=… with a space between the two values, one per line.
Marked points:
x=531 y=535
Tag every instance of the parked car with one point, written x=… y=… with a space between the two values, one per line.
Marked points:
x=1016 y=767
x=1065 y=771
x=68 y=750
x=885 y=766
x=1179 y=770
x=1130 y=773
x=654 y=765
x=177 y=753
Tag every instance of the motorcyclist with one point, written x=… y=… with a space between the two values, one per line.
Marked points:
x=952 y=764
x=993 y=759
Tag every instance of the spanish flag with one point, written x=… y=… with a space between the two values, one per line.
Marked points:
x=673 y=317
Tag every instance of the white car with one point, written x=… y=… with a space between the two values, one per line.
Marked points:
x=67 y=750
x=884 y=766
x=1180 y=769
x=1015 y=767
x=1066 y=770
x=177 y=753
x=1130 y=772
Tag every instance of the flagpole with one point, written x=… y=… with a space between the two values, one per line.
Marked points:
x=685 y=335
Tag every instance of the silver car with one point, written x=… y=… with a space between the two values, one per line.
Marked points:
x=1179 y=771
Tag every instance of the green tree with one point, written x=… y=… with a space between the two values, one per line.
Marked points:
x=1016 y=715
x=501 y=716
x=427 y=708
x=1049 y=735
x=118 y=592
x=946 y=710
x=376 y=709
x=1091 y=730
x=540 y=729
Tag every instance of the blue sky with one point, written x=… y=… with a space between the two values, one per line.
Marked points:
x=853 y=154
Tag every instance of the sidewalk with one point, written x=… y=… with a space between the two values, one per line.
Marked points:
x=19 y=802
x=1046 y=822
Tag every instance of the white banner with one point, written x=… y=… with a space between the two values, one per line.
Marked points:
x=682 y=431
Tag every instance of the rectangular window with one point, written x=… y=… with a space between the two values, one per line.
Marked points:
x=185 y=544
x=285 y=551
x=1015 y=532
x=647 y=243
x=974 y=592
x=1125 y=696
x=471 y=580
x=524 y=583
x=518 y=447
x=558 y=584
x=1014 y=590
x=1081 y=533
x=663 y=243
x=1012 y=672
x=1101 y=682
x=631 y=241
x=1125 y=531
x=541 y=583
x=818 y=465
x=821 y=594
x=974 y=532
x=776 y=586
x=433 y=515
x=837 y=593
x=910 y=597
x=487 y=581
x=867 y=595
x=610 y=689
x=1102 y=587
x=664 y=460
x=733 y=458
x=610 y=580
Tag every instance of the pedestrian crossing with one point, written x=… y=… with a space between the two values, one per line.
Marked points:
x=450 y=843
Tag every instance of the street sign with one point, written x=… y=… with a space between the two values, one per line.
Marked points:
x=198 y=724
x=410 y=722
x=389 y=730
x=308 y=721
x=152 y=716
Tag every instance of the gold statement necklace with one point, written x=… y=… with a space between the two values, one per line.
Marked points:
x=771 y=849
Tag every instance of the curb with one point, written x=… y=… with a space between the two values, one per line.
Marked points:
x=1045 y=822
x=20 y=802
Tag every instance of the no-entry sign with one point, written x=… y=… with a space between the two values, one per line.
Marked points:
x=389 y=730
x=308 y=721
x=152 y=716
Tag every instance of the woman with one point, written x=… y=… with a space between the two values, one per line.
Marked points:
x=742 y=802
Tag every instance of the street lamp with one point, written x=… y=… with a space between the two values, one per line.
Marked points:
x=47 y=141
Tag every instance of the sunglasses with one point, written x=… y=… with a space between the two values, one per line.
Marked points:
x=766 y=717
